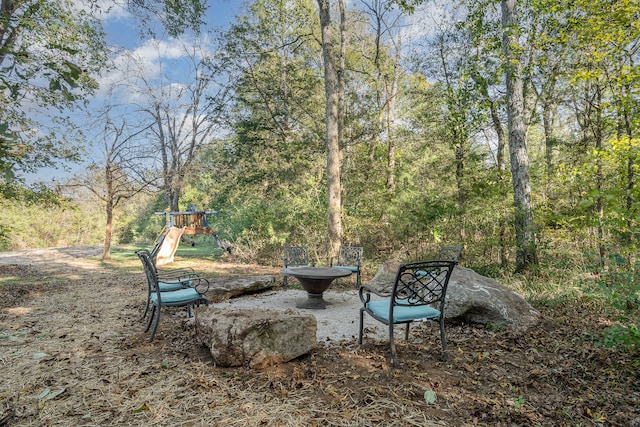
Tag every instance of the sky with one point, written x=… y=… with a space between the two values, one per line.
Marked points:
x=122 y=32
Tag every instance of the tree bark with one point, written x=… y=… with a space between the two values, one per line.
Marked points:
x=106 y=251
x=331 y=83
x=526 y=254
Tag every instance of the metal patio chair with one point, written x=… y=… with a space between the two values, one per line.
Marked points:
x=418 y=293
x=296 y=256
x=349 y=258
x=168 y=280
x=189 y=296
x=450 y=253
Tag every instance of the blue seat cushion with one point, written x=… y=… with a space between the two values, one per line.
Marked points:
x=402 y=313
x=173 y=285
x=176 y=297
x=345 y=267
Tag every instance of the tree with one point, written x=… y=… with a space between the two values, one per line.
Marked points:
x=385 y=58
x=49 y=53
x=184 y=115
x=526 y=254
x=603 y=74
x=334 y=187
x=121 y=174
x=175 y=17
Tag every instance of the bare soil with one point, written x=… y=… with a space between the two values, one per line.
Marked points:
x=73 y=352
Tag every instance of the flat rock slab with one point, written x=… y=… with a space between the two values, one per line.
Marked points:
x=223 y=288
x=253 y=337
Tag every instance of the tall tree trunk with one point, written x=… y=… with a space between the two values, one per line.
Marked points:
x=526 y=254
x=106 y=251
x=331 y=84
x=340 y=72
x=392 y=94
x=598 y=137
x=109 y=200
x=391 y=145
x=500 y=164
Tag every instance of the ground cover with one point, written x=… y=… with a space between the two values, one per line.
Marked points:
x=73 y=352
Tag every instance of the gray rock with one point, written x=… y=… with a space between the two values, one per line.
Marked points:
x=257 y=338
x=223 y=288
x=473 y=298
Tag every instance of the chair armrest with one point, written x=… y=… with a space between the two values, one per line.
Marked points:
x=177 y=274
x=201 y=285
x=364 y=292
x=186 y=270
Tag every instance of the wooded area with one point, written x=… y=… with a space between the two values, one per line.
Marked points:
x=510 y=127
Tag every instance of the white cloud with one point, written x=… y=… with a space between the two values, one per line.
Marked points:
x=154 y=63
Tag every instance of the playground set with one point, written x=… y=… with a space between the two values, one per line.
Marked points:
x=177 y=226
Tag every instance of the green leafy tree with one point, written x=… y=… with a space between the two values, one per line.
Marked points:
x=49 y=53
x=270 y=170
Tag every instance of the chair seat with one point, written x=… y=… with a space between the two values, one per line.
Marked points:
x=347 y=267
x=176 y=297
x=173 y=285
x=402 y=314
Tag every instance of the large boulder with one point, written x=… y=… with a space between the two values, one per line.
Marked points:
x=223 y=288
x=256 y=338
x=472 y=298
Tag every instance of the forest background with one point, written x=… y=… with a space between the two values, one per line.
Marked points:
x=425 y=133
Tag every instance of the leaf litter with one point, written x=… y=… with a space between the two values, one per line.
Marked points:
x=95 y=366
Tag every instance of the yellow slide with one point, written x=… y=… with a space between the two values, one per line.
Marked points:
x=169 y=245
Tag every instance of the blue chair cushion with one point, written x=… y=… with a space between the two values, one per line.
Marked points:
x=350 y=268
x=402 y=313
x=176 y=297
x=171 y=285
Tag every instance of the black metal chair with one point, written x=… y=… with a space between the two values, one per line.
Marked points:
x=168 y=280
x=450 y=253
x=192 y=295
x=296 y=256
x=349 y=258
x=418 y=293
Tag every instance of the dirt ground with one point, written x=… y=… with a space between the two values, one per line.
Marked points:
x=73 y=352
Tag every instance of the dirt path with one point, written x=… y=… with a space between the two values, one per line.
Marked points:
x=58 y=258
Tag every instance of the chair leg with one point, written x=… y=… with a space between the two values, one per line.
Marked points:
x=394 y=355
x=361 y=326
x=153 y=313
x=358 y=279
x=155 y=326
x=443 y=339
x=406 y=332
x=285 y=282
x=146 y=310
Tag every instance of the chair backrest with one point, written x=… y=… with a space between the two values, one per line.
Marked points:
x=422 y=283
x=296 y=256
x=149 y=269
x=449 y=253
x=350 y=256
x=146 y=257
